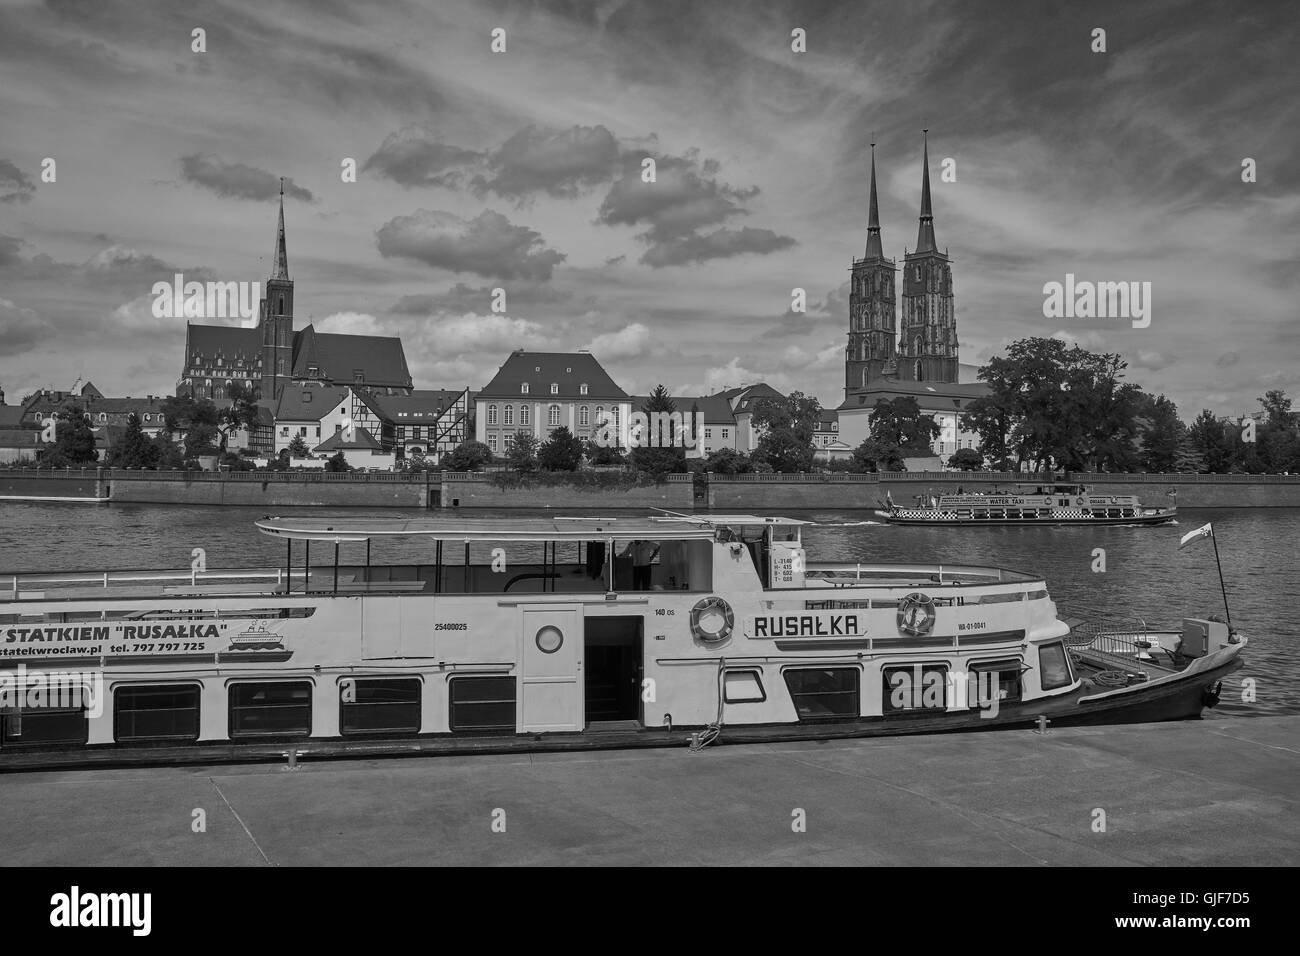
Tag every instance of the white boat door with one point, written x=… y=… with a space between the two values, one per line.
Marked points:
x=550 y=661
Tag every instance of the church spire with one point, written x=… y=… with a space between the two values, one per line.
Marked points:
x=280 y=268
x=925 y=235
x=874 y=250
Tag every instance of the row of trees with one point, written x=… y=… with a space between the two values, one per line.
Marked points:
x=1053 y=406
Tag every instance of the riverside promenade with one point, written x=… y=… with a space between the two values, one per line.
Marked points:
x=1217 y=792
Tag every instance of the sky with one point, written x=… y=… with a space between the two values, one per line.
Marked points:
x=522 y=170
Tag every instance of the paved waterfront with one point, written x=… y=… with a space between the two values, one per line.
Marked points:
x=1221 y=792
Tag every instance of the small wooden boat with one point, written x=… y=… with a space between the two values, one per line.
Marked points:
x=1028 y=505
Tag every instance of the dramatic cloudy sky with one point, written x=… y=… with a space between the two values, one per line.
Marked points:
x=521 y=170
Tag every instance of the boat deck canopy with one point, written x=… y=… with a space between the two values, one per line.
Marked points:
x=338 y=530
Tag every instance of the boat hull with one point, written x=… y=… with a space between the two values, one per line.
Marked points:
x=1184 y=697
x=1025 y=522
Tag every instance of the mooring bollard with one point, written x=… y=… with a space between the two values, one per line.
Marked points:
x=293 y=756
x=1042 y=724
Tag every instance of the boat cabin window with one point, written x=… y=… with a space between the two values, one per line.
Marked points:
x=40 y=726
x=270 y=708
x=165 y=712
x=743 y=687
x=997 y=677
x=369 y=705
x=523 y=567
x=1053 y=667
x=914 y=687
x=482 y=705
x=824 y=693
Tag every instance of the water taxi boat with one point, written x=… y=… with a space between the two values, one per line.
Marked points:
x=1028 y=504
x=559 y=633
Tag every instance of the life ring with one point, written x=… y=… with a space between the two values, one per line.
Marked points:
x=712 y=620
x=1047 y=501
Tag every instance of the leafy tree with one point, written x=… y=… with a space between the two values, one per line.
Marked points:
x=1213 y=440
x=1161 y=433
x=598 y=454
x=1278 y=406
x=658 y=460
x=522 y=455
x=901 y=422
x=242 y=411
x=167 y=456
x=298 y=448
x=783 y=451
x=468 y=456
x=874 y=455
x=74 y=441
x=1062 y=407
x=181 y=412
x=201 y=439
x=785 y=427
x=728 y=461
x=134 y=450
x=561 y=452
x=337 y=462
x=1188 y=459
x=967 y=459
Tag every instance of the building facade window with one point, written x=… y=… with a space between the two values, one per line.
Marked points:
x=555 y=389
x=553 y=415
x=584 y=417
x=523 y=389
x=492 y=441
x=509 y=416
x=492 y=415
x=525 y=415
x=582 y=389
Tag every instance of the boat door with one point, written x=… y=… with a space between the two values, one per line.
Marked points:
x=550 y=659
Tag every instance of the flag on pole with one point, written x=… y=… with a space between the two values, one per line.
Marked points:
x=1204 y=531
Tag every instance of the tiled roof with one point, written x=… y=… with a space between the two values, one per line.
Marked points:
x=422 y=405
x=11 y=416
x=308 y=402
x=20 y=438
x=337 y=357
x=568 y=370
x=339 y=441
x=715 y=409
x=230 y=341
x=743 y=399
x=934 y=396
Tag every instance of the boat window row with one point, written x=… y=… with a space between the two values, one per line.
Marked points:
x=161 y=713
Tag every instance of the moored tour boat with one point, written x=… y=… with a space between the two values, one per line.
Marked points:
x=1029 y=504
x=562 y=633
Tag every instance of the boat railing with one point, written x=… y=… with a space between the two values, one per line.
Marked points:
x=16 y=587
x=935 y=573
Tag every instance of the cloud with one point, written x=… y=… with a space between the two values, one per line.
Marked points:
x=1153 y=361
x=21 y=329
x=412 y=157
x=465 y=298
x=631 y=341
x=1227 y=360
x=720 y=244
x=489 y=245
x=236 y=180
x=685 y=198
x=15 y=186
x=560 y=163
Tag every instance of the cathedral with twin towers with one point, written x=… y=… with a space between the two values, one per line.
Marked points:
x=917 y=357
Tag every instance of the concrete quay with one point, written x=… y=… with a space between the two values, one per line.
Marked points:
x=1217 y=792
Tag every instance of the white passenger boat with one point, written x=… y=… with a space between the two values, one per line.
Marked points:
x=561 y=633
x=1026 y=505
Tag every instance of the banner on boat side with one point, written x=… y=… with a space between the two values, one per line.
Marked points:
x=845 y=624
x=95 y=639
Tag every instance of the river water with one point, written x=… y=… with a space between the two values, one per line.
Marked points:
x=1145 y=575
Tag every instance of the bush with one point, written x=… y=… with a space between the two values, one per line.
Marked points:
x=467 y=456
x=337 y=462
x=561 y=452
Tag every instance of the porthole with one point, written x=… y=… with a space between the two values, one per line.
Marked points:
x=549 y=639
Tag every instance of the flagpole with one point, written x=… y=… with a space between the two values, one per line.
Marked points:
x=1214 y=539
